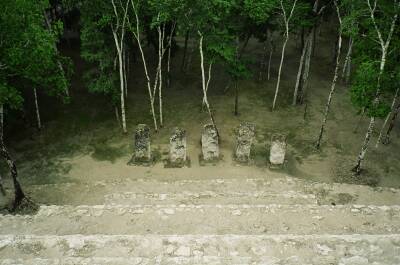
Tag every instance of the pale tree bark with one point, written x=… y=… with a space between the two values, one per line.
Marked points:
x=19 y=195
x=125 y=70
x=119 y=44
x=346 y=72
x=384 y=49
x=169 y=55
x=286 y=19
x=300 y=72
x=392 y=109
x=161 y=34
x=386 y=139
x=151 y=89
x=38 y=120
x=299 y=96
x=117 y=116
x=205 y=83
x=157 y=83
x=335 y=77
x=161 y=52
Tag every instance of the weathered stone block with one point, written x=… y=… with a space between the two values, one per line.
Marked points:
x=210 y=143
x=278 y=149
x=178 y=149
x=142 y=147
x=244 y=141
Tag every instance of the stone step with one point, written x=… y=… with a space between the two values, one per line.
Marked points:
x=206 y=219
x=207 y=197
x=225 y=191
x=351 y=249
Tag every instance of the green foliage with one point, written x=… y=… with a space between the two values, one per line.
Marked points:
x=367 y=55
x=259 y=11
x=28 y=52
x=363 y=91
x=98 y=48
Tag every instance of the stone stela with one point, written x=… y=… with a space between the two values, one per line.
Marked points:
x=178 y=157
x=178 y=148
x=244 y=141
x=210 y=143
x=142 y=146
x=278 y=150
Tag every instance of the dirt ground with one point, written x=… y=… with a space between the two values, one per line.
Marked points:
x=81 y=141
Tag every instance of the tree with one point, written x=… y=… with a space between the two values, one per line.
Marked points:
x=29 y=52
x=118 y=30
x=376 y=27
x=309 y=24
x=216 y=43
x=98 y=19
x=286 y=12
x=28 y=58
x=335 y=77
x=159 y=17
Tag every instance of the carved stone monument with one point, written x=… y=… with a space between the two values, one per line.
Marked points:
x=278 y=150
x=178 y=149
x=209 y=143
x=244 y=140
x=142 y=148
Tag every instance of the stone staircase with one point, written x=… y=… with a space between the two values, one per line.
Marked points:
x=205 y=221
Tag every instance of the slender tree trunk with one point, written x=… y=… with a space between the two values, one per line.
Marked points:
x=119 y=43
x=136 y=33
x=169 y=67
x=161 y=34
x=386 y=139
x=183 y=65
x=392 y=109
x=38 y=120
x=121 y=79
x=384 y=48
x=299 y=73
x=371 y=126
x=207 y=84
x=117 y=116
x=364 y=148
x=333 y=86
x=124 y=57
x=306 y=71
x=286 y=19
x=347 y=63
x=171 y=35
x=236 y=98
x=204 y=83
x=280 y=70
x=19 y=195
